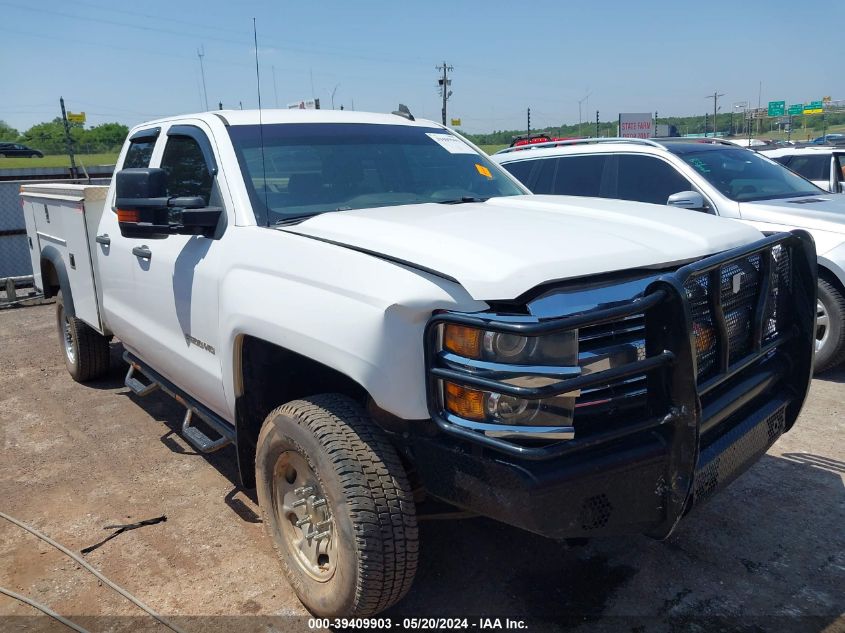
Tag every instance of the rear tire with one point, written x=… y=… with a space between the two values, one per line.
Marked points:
x=327 y=448
x=86 y=351
x=830 y=327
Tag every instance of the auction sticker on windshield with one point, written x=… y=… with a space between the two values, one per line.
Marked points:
x=451 y=144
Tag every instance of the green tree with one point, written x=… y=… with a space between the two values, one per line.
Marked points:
x=7 y=132
x=105 y=136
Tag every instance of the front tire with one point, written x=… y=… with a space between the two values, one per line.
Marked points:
x=830 y=329
x=86 y=351
x=336 y=501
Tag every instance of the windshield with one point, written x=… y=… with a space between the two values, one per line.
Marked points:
x=745 y=176
x=312 y=168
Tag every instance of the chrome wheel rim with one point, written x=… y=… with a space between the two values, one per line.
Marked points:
x=822 y=326
x=304 y=516
x=67 y=339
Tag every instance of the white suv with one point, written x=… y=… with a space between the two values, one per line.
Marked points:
x=823 y=165
x=709 y=176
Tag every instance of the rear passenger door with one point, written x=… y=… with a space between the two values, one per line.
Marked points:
x=647 y=179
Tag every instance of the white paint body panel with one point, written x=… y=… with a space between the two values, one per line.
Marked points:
x=504 y=247
x=361 y=313
x=65 y=216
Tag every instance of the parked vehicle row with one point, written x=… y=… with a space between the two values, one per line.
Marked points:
x=823 y=165
x=712 y=177
x=374 y=312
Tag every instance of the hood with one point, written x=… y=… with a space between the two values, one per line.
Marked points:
x=825 y=212
x=504 y=247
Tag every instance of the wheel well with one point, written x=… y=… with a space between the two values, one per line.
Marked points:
x=270 y=375
x=832 y=279
x=49 y=278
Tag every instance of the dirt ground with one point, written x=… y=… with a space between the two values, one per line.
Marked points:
x=767 y=554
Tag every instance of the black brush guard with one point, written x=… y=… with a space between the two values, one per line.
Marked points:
x=772 y=379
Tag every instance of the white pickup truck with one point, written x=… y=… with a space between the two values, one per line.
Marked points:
x=372 y=311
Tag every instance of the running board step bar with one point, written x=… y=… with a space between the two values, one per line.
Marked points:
x=192 y=434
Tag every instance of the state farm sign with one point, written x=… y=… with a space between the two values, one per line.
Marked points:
x=636 y=125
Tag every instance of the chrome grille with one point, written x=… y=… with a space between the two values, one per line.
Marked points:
x=598 y=406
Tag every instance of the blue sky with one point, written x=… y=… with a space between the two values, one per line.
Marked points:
x=131 y=61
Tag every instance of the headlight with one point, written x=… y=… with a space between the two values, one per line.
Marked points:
x=501 y=347
x=503 y=351
x=497 y=408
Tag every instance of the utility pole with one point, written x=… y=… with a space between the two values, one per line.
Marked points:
x=715 y=96
x=444 y=82
x=597 y=124
x=529 y=122
x=68 y=140
x=580 y=103
x=334 y=90
x=201 y=54
x=275 y=91
x=655 y=123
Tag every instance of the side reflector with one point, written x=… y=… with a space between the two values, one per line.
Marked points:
x=127 y=216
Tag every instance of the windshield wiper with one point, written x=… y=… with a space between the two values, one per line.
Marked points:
x=462 y=200
x=296 y=219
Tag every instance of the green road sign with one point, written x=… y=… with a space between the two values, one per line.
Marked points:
x=796 y=109
x=776 y=108
x=814 y=107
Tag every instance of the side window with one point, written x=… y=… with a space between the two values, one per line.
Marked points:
x=544 y=176
x=580 y=175
x=522 y=171
x=648 y=179
x=139 y=152
x=811 y=167
x=187 y=171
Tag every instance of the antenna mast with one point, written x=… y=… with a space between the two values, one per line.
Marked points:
x=201 y=54
x=260 y=121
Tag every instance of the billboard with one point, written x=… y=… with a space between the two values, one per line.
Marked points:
x=305 y=104
x=636 y=125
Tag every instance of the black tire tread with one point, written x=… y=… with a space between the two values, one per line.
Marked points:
x=377 y=492
x=92 y=349
x=839 y=307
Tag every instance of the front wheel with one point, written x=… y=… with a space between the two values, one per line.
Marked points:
x=830 y=329
x=336 y=501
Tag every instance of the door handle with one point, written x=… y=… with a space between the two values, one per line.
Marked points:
x=143 y=252
x=103 y=239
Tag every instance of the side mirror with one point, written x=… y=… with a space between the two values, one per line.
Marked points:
x=144 y=209
x=687 y=200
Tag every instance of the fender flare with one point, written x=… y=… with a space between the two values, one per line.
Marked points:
x=51 y=254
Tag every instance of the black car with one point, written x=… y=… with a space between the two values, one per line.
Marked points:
x=10 y=150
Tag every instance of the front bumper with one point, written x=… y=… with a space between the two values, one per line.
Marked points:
x=700 y=433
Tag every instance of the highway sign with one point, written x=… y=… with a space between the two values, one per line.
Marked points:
x=814 y=107
x=76 y=117
x=796 y=109
x=776 y=108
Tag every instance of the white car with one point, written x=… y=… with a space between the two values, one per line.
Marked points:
x=371 y=311
x=823 y=165
x=710 y=176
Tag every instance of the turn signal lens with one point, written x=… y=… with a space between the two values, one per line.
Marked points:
x=705 y=337
x=127 y=216
x=463 y=402
x=463 y=340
